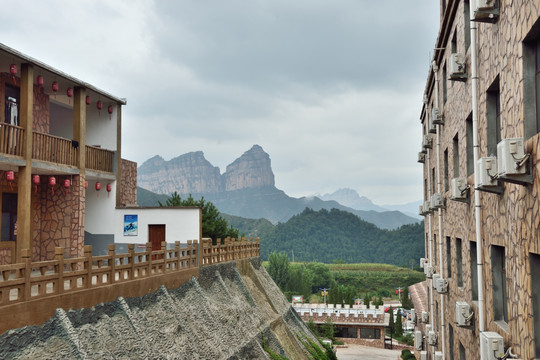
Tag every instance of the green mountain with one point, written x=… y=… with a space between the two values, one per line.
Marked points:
x=336 y=235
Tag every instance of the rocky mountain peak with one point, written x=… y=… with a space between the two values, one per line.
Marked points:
x=251 y=170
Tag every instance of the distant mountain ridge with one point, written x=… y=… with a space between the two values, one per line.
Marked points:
x=246 y=189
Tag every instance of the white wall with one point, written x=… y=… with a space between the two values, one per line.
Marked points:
x=100 y=130
x=180 y=224
x=100 y=210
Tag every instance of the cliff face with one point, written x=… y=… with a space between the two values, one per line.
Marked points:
x=191 y=173
x=251 y=170
x=188 y=173
x=220 y=315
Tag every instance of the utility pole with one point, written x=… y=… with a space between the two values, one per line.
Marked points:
x=399 y=290
x=324 y=292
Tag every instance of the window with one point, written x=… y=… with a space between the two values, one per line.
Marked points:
x=462 y=352
x=436 y=315
x=370 y=333
x=454 y=43
x=346 y=332
x=531 y=81
x=456 y=156
x=470 y=143
x=493 y=117
x=498 y=273
x=432 y=181
x=467 y=30
x=451 y=341
x=459 y=263
x=446 y=183
x=474 y=271
x=9 y=217
x=444 y=89
x=535 y=288
x=448 y=258
x=434 y=250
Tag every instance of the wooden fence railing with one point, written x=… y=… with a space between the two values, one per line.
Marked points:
x=29 y=280
x=99 y=159
x=11 y=139
x=47 y=147
x=228 y=250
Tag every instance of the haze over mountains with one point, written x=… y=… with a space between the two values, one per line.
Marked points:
x=247 y=189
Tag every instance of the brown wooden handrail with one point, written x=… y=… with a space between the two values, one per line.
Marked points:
x=11 y=139
x=47 y=147
x=99 y=159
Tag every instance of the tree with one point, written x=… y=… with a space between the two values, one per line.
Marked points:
x=406 y=301
x=214 y=226
x=278 y=268
x=313 y=327
x=391 y=323
x=328 y=329
x=398 y=331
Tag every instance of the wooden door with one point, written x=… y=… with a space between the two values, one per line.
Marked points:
x=156 y=234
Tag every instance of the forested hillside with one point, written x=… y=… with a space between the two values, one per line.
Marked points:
x=339 y=236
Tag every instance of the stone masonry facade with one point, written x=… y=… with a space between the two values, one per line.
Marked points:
x=510 y=220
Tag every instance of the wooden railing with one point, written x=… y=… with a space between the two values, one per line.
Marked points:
x=46 y=147
x=11 y=139
x=33 y=280
x=29 y=280
x=99 y=159
x=228 y=250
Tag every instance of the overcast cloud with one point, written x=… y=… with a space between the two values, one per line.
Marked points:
x=332 y=90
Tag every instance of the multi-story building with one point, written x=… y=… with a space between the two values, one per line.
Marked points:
x=63 y=182
x=480 y=155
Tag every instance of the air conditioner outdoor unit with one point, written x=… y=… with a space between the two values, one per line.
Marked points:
x=427 y=210
x=423 y=261
x=457 y=66
x=418 y=340
x=511 y=157
x=491 y=345
x=437 y=201
x=432 y=338
x=428 y=328
x=441 y=285
x=438 y=355
x=463 y=314
x=487 y=172
x=436 y=116
x=428 y=271
x=427 y=142
x=425 y=318
x=432 y=129
x=413 y=316
x=434 y=279
x=459 y=189
x=423 y=355
x=421 y=157
x=485 y=4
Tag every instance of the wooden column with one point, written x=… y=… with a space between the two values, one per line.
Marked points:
x=79 y=127
x=24 y=181
x=119 y=192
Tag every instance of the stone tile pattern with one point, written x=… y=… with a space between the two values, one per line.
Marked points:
x=512 y=219
x=128 y=184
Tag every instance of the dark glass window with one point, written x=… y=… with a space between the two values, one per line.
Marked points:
x=498 y=272
x=9 y=217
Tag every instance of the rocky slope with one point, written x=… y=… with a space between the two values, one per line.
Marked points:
x=251 y=170
x=221 y=315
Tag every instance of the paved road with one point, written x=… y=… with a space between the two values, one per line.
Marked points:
x=359 y=352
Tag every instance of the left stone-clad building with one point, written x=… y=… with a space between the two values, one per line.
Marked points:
x=63 y=182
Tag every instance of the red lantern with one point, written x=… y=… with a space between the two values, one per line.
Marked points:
x=109 y=189
x=52 y=183
x=99 y=106
x=67 y=184
x=54 y=88
x=40 y=81
x=69 y=94
x=86 y=184
x=10 y=176
x=88 y=100
x=35 y=181
x=98 y=187
x=110 y=110
x=13 y=71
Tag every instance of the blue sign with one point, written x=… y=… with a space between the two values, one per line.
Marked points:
x=131 y=225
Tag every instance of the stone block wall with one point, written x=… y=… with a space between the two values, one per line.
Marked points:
x=512 y=219
x=128 y=184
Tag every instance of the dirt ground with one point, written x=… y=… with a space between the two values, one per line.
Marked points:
x=359 y=352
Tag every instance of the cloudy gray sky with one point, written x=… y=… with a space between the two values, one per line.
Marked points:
x=332 y=89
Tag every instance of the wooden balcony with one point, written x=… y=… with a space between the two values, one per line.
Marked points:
x=53 y=149
x=11 y=140
x=99 y=159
